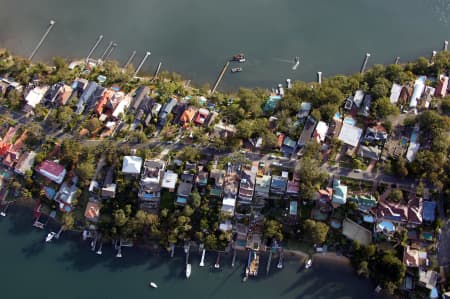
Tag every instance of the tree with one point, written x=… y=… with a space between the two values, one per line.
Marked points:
x=381 y=88
x=383 y=107
x=316 y=231
x=389 y=269
x=65 y=116
x=311 y=177
x=120 y=219
x=273 y=229
x=211 y=242
x=93 y=125
x=189 y=153
x=67 y=222
x=196 y=199
x=363 y=269
x=396 y=195
x=85 y=170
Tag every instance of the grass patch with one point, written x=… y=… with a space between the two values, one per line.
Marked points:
x=167 y=200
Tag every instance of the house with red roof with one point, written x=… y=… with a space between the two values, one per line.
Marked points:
x=201 y=117
x=52 y=170
x=14 y=152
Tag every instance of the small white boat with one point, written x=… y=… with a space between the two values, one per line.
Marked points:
x=3 y=214
x=202 y=261
x=153 y=285
x=188 y=270
x=236 y=70
x=50 y=237
x=308 y=264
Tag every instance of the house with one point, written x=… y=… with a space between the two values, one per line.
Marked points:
x=320 y=132
x=64 y=95
x=210 y=120
x=305 y=109
x=339 y=196
x=183 y=192
x=52 y=170
x=428 y=279
x=187 y=116
x=278 y=184
x=247 y=186
x=375 y=134
x=308 y=130
x=201 y=117
x=14 y=152
x=5 y=143
x=65 y=197
x=224 y=130
x=164 y=112
x=169 y=181
x=409 y=214
x=140 y=94
x=358 y=98
x=414 y=258
x=369 y=152
x=262 y=187
x=348 y=105
x=132 y=165
x=289 y=146
x=109 y=187
x=25 y=163
x=202 y=178
x=405 y=95
x=228 y=206
x=292 y=188
x=350 y=134
x=79 y=85
x=231 y=185
x=365 y=107
x=364 y=202
x=396 y=89
x=86 y=96
x=123 y=103
x=419 y=86
x=53 y=92
x=441 y=88
x=429 y=211
x=414 y=145
x=92 y=211
x=217 y=179
x=35 y=96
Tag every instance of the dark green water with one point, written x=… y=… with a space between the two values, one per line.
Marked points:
x=195 y=37
x=67 y=269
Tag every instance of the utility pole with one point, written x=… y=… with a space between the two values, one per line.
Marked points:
x=44 y=36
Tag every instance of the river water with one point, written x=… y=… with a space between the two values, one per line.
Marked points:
x=66 y=268
x=195 y=37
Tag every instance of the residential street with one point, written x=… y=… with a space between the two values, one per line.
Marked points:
x=444 y=237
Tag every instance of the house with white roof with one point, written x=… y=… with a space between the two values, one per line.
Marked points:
x=169 y=181
x=35 y=96
x=132 y=165
x=395 y=93
x=419 y=87
x=321 y=131
x=350 y=134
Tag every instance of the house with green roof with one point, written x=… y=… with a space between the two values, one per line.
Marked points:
x=364 y=202
x=339 y=196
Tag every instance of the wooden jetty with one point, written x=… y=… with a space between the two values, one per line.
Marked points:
x=219 y=79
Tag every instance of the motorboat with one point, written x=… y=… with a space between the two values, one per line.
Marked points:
x=188 y=270
x=236 y=70
x=50 y=237
x=202 y=261
x=308 y=264
x=239 y=57
x=3 y=214
x=153 y=285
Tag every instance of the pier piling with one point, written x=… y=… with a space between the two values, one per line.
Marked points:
x=319 y=77
x=97 y=42
x=363 y=67
x=41 y=41
x=433 y=54
x=445 y=45
x=130 y=59
x=269 y=262
x=397 y=60
x=113 y=46
x=155 y=76
x=234 y=258
x=219 y=79
x=147 y=54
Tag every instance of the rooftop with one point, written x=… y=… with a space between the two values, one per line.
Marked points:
x=132 y=165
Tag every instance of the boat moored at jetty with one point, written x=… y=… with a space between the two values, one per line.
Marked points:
x=308 y=264
x=188 y=270
x=50 y=237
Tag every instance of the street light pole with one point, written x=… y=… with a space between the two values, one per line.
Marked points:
x=44 y=36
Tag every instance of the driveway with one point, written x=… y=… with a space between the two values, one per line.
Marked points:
x=444 y=245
